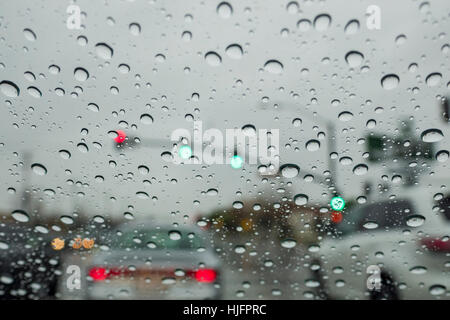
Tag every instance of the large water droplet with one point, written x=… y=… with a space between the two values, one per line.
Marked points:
x=81 y=74
x=174 y=235
x=360 y=169
x=213 y=59
x=322 y=22
x=370 y=225
x=20 y=215
x=304 y=25
x=29 y=34
x=437 y=289
x=312 y=145
x=432 y=135
x=104 y=51
x=415 y=221
x=135 y=29
x=289 y=170
x=351 y=27
x=354 y=58
x=9 y=89
x=146 y=119
x=442 y=155
x=273 y=66
x=390 y=81
x=82 y=147
x=345 y=116
x=234 y=51
x=433 y=79
x=39 y=169
x=301 y=199
x=224 y=10
x=288 y=243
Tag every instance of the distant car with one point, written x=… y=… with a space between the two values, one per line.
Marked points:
x=407 y=237
x=147 y=262
x=28 y=264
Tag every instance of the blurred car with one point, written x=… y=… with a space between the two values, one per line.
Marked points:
x=147 y=262
x=407 y=237
x=28 y=264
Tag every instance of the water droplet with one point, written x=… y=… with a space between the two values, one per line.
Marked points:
x=322 y=22
x=301 y=199
x=142 y=195
x=34 y=92
x=143 y=169
x=390 y=81
x=433 y=79
x=9 y=89
x=212 y=192
x=292 y=7
x=351 y=27
x=66 y=220
x=224 y=10
x=239 y=249
x=370 y=225
x=304 y=25
x=93 y=107
x=345 y=116
x=289 y=170
x=415 y=221
x=345 y=161
x=437 y=289
x=64 y=154
x=186 y=36
x=174 y=235
x=288 y=243
x=442 y=155
x=39 y=169
x=273 y=66
x=20 y=215
x=354 y=58
x=123 y=68
x=53 y=69
x=81 y=74
x=146 y=119
x=238 y=205
x=360 y=169
x=99 y=219
x=104 y=51
x=234 y=51
x=312 y=145
x=29 y=34
x=432 y=135
x=213 y=59
x=168 y=281
x=82 y=147
x=135 y=28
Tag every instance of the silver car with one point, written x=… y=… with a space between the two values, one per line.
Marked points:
x=145 y=262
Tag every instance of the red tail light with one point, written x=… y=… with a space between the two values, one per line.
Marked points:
x=101 y=273
x=436 y=244
x=98 y=274
x=205 y=275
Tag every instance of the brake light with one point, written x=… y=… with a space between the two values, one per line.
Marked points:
x=98 y=274
x=436 y=244
x=205 y=275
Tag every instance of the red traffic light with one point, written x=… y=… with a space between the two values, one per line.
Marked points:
x=121 y=135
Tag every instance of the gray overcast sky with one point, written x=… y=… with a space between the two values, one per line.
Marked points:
x=232 y=94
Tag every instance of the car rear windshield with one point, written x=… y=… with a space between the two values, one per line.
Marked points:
x=157 y=239
x=382 y=215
